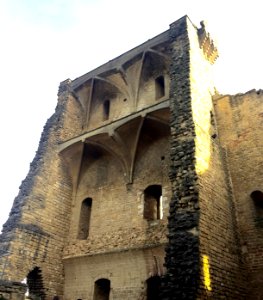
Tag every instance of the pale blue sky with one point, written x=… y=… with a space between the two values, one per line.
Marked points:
x=45 y=42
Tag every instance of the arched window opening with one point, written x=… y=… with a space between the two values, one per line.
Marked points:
x=159 y=87
x=153 y=288
x=153 y=203
x=257 y=197
x=102 y=289
x=84 y=219
x=35 y=285
x=106 y=110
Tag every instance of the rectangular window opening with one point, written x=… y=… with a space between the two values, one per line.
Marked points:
x=106 y=110
x=84 y=219
x=159 y=87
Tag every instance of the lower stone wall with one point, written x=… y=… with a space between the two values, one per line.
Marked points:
x=221 y=267
x=239 y=121
x=127 y=272
x=12 y=290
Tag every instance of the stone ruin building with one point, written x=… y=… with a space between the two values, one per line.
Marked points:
x=147 y=184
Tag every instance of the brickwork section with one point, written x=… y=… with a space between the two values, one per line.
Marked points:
x=35 y=232
x=240 y=122
x=12 y=290
x=220 y=261
x=218 y=234
x=127 y=272
x=117 y=213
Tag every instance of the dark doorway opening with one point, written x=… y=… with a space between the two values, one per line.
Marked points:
x=35 y=285
x=102 y=289
x=153 y=288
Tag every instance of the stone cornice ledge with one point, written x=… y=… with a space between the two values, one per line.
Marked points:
x=118 y=250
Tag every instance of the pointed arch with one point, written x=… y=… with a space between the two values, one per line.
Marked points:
x=102 y=288
x=103 y=145
x=35 y=284
x=105 y=102
x=152 y=78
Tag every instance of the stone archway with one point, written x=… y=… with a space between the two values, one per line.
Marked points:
x=35 y=285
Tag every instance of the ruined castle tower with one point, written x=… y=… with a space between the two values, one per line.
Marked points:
x=146 y=185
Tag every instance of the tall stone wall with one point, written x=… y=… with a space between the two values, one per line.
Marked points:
x=220 y=261
x=122 y=156
x=113 y=204
x=240 y=130
x=34 y=235
x=202 y=256
x=182 y=251
x=111 y=157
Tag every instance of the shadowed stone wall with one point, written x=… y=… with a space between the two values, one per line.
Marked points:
x=35 y=232
x=239 y=120
x=12 y=290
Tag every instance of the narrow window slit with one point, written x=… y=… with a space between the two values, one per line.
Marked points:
x=153 y=209
x=106 y=110
x=257 y=197
x=84 y=219
x=159 y=87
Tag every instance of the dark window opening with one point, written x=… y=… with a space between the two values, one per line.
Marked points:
x=257 y=197
x=35 y=284
x=153 y=203
x=159 y=87
x=153 y=288
x=106 y=110
x=102 y=289
x=84 y=219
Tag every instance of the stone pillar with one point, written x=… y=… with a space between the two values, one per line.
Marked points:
x=182 y=251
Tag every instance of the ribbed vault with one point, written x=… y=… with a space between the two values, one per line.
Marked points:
x=127 y=83
x=120 y=142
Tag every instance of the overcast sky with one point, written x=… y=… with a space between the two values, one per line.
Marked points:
x=44 y=42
